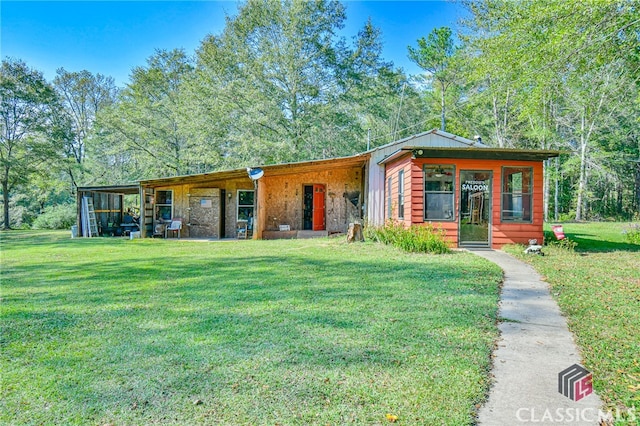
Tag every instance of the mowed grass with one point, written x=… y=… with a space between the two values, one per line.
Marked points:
x=598 y=289
x=112 y=331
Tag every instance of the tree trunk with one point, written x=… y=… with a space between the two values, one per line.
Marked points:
x=442 y=112
x=637 y=185
x=5 y=200
x=582 y=184
x=496 y=120
x=354 y=233
x=619 y=199
x=556 y=196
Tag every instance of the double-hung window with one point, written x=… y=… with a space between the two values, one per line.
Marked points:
x=517 y=190
x=401 y=194
x=439 y=202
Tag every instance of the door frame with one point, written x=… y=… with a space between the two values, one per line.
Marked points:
x=489 y=222
x=313 y=187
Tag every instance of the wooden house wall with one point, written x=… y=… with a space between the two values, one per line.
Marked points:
x=281 y=198
x=393 y=169
x=181 y=199
x=501 y=233
x=376 y=194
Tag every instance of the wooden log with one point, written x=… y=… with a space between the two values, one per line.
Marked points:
x=354 y=234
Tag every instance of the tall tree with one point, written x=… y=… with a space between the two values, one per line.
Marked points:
x=29 y=136
x=562 y=67
x=284 y=87
x=146 y=122
x=82 y=95
x=437 y=55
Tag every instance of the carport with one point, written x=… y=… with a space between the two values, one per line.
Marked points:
x=107 y=203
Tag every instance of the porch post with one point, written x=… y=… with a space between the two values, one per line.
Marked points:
x=259 y=221
x=142 y=214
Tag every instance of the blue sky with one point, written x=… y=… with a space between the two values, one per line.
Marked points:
x=112 y=37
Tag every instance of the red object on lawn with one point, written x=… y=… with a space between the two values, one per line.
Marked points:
x=558 y=232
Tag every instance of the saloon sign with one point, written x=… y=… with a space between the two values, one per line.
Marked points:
x=474 y=185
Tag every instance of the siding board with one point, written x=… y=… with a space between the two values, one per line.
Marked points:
x=501 y=233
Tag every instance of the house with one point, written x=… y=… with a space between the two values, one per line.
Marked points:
x=480 y=196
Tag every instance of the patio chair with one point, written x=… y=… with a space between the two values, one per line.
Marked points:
x=242 y=229
x=158 y=230
x=558 y=231
x=175 y=226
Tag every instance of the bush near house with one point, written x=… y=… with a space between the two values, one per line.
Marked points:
x=414 y=239
x=61 y=216
x=597 y=286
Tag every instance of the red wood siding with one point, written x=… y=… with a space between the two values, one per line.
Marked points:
x=392 y=169
x=501 y=233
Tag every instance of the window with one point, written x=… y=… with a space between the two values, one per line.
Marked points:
x=439 y=192
x=389 y=198
x=516 y=194
x=401 y=194
x=245 y=207
x=164 y=205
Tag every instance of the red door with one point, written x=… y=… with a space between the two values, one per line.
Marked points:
x=318 y=207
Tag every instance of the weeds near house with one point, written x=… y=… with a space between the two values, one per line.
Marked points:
x=415 y=239
x=293 y=332
x=566 y=244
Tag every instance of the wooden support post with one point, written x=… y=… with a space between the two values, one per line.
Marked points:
x=260 y=213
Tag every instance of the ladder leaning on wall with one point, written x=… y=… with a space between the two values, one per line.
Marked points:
x=89 y=223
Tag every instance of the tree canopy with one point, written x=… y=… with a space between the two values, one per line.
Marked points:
x=280 y=83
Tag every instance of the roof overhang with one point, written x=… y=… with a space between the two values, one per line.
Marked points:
x=270 y=170
x=112 y=189
x=508 y=154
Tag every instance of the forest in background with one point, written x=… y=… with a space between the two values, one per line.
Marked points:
x=279 y=84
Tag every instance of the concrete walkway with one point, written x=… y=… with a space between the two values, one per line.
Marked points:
x=535 y=345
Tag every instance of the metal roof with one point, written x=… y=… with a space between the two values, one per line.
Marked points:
x=473 y=153
x=272 y=170
x=113 y=189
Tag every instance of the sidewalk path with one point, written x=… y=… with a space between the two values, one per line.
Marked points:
x=534 y=346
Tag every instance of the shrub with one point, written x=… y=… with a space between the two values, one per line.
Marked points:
x=415 y=239
x=632 y=233
x=62 y=216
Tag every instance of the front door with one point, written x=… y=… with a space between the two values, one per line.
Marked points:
x=475 y=207
x=318 y=208
x=314 y=207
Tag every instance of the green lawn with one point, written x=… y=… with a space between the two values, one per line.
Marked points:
x=598 y=289
x=113 y=331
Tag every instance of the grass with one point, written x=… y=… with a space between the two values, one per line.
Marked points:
x=598 y=289
x=113 y=331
